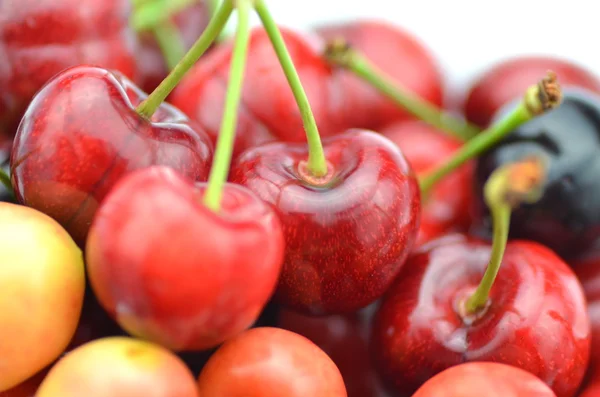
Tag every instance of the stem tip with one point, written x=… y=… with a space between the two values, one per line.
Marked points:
x=545 y=95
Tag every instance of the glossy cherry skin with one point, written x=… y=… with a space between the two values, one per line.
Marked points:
x=81 y=134
x=448 y=207
x=567 y=217
x=508 y=80
x=171 y=270
x=270 y=362
x=347 y=240
x=483 y=379
x=344 y=338
x=190 y=22
x=588 y=272
x=40 y=38
x=268 y=110
x=536 y=319
x=398 y=54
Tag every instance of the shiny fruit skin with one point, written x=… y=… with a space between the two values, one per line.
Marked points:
x=484 y=379
x=119 y=367
x=268 y=110
x=567 y=217
x=42 y=284
x=398 y=54
x=448 y=208
x=190 y=22
x=173 y=271
x=507 y=81
x=347 y=240
x=81 y=134
x=537 y=319
x=40 y=38
x=270 y=362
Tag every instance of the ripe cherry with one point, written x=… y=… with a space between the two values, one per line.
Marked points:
x=40 y=38
x=533 y=316
x=480 y=379
x=448 y=206
x=270 y=362
x=396 y=52
x=505 y=81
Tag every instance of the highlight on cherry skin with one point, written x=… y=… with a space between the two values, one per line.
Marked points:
x=195 y=205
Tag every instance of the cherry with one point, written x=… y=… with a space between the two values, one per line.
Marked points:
x=588 y=272
x=119 y=367
x=504 y=82
x=81 y=134
x=153 y=63
x=395 y=52
x=533 y=316
x=448 y=206
x=206 y=258
x=344 y=338
x=593 y=390
x=40 y=38
x=268 y=112
x=269 y=362
x=348 y=234
x=484 y=379
x=567 y=218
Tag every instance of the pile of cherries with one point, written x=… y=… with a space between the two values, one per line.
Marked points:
x=286 y=213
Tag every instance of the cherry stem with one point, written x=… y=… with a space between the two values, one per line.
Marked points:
x=224 y=149
x=538 y=99
x=151 y=13
x=340 y=53
x=170 y=43
x=507 y=188
x=316 y=164
x=214 y=28
x=5 y=180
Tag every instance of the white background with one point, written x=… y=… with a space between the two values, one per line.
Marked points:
x=468 y=35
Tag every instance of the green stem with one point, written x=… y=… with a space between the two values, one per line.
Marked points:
x=224 y=148
x=538 y=99
x=339 y=53
x=150 y=13
x=214 y=28
x=170 y=43
x=317 y=164
x=5 y=180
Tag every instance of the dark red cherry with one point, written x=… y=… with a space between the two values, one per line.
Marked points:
x=81 y=134
x=448 y=207
x=40 y=38
x=506 y=81
x=348 y=235
x=536 y=318
x=190 y=22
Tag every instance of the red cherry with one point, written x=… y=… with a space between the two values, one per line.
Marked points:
x=268 y=111
x=484 y=379
x=190 y=22
x=344 y=338
x=395 y=52
x=592 y=390
x=588 y=272
x=40 y=38
x=171 y=270
x=507 y=80
x=270 y=362
x=536 y=319
x=448 y=207
x=81 y=134
x=347 y=235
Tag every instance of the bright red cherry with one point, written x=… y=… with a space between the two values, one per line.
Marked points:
x=591 y=390
x=191 y=22
x=507 y=80
x=588 y=271
x=173 y=271
x=81 y=134
x=40 y=38
x=345 y=340
x=481 y=379
x=447 y=208
x=395 y=52
x=270 y=362
x=536 y=317
x=348 y=233
x=268 y=111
